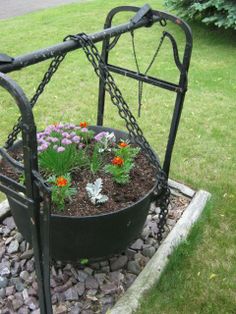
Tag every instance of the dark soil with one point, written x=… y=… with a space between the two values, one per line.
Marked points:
x=142 y=180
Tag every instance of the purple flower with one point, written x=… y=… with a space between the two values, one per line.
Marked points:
x=84 y=130
x=43 y=147
x=76 y=139
x=65 y=141
x=60 y=149
x=65 y=134
x=100 y=135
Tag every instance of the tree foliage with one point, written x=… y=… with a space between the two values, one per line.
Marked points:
x=221 y=13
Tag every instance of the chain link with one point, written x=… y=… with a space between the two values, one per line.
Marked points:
x=47 y=77
x=100 y=68
x=140 y=83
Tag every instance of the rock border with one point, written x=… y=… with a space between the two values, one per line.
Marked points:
x=150 y=275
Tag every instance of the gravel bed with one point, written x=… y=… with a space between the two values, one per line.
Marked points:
x=85 y=289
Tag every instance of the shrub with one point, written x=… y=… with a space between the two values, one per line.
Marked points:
x=221 y=13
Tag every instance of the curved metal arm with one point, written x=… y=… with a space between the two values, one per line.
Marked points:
x=180 y=89
x=28 y=129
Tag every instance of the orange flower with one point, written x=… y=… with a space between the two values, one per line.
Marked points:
x=83 y=124
x=123 y=144
x=118 y=161
x=55 y=123
x=61 y=181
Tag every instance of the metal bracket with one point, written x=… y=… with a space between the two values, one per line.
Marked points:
x=144 y=11
x=5 y=58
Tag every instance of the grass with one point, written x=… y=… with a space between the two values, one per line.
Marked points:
x=200 y=277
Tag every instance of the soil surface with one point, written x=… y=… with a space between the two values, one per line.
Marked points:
x=142 y=180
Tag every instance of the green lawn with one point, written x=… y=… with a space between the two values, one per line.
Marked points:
x=201 y=276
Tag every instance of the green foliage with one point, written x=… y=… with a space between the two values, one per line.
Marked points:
x=60 y=163
x=120 y=174
x=96 y=160
x=127 y=153
x=61 y=190
x=221 y=13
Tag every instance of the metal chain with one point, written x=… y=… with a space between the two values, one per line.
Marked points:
x=47 y=77
x=140 y=83
x=100 y=68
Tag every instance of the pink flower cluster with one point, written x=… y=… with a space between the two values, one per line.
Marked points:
x=58 y=137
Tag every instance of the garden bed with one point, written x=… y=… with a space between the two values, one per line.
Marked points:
x=91 y=288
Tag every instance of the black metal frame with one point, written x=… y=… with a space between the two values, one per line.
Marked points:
x=35 y=190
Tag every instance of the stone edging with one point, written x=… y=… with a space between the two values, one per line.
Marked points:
x=150 y=275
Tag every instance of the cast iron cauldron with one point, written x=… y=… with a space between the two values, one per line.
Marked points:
x=73 y=238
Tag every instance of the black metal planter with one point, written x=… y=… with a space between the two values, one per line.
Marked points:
x=72 y=238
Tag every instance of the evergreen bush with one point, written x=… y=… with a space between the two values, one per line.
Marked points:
x=221 y=13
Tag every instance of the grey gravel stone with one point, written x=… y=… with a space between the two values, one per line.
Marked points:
x=9 y=222
x=24 y=310
x=30 y=265
x=145 y=233
x=133 y=267
x=71 y=294
x=24 y=275
x=91 y=283
x=108 y=288
x=75 y=309
x=10 y=290
x=3 y=282
x=5 y=268
x=19 y=237
x=16 y=304
x=119 y=262
x=88 y=270
x=61 y=309
x=80 y=286
x=116 y=276
x=13 y=247
x=137 y=245
x=32 y=303
x=27 y=254
x=100 y=277
x=82 y=275
x=130 y=279
x=2 y=293
x=149 y=251
x=2 y=251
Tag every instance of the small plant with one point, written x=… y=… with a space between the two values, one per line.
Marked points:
x=61 y=190
x=123 y=162
x=94 y=192
x=106 y=141
x=96 y=160
x=119 y=169
x=59 y=148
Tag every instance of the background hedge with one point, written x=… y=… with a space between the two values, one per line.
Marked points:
x=221 y=13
